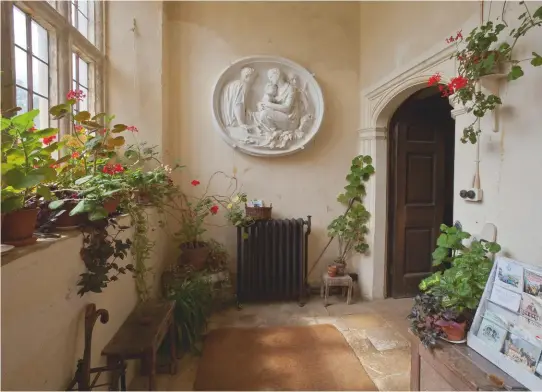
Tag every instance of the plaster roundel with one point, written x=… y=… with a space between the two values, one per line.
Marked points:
x=267 y=106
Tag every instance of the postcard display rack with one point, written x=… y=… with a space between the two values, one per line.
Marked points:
x=507 y=327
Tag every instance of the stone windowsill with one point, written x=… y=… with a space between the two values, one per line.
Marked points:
x=44 y=243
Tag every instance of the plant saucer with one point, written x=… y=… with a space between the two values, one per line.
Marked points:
x=454 y=341
x=67 y=228
x=6 y=248
x=26 y=241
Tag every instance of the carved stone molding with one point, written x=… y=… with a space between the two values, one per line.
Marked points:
x=267 y=106
x=373 y=133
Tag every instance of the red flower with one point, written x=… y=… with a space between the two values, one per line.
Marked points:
x=457 y=83
x=78 y=95
x=118 y=168
x=32 y=129
x=214 y=209
x=54 y=166
x=102 y=131
x=435 y=79
x=195 y=182
x=75 y=154
x=78 y=128
x=459 y=35
x=48 y=140
x=132 y=128
x=450 y=40
x=112 y=169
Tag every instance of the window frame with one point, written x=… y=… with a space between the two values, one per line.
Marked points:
x=64 y=39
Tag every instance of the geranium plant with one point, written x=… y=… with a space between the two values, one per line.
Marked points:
x=482 y=53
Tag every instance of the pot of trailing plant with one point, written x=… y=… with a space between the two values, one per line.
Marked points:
x=455 y=332
x=142 y=197
x=65 y=220
x=332 y=270
x=340 y=268
x=18 y=227
x=111 y=204
x=194 y=254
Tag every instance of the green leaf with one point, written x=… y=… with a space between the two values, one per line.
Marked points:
x=25 y=120
x=537 y=61
x=48 y=173
x=45 y=192
x=82 y=116
x=538 y=13
x=83 y=206
x=60 y=111
x=515 y=73
x=56 y=204
x=98 y=213
x=98 y=116
x=19 y=180
x=46 y=132
x=6 y=123
x=12 y=204
x=82 y=180
x=65 y=158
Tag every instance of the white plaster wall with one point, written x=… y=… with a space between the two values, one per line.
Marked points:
x=203 y=38
x=43 y=317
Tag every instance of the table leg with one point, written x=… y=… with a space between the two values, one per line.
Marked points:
x=322 y=289
x=152 y=369
x=349 y=295
x=326 y=293
x=112 y=364
x=172 y=347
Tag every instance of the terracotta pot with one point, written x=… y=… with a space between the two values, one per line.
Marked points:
x=196 y=256
x=332 y=270
x=142 y=197
x=111 y=204
x=340 y=269
x=455 y=333
x=18 y=226
x=65 y=220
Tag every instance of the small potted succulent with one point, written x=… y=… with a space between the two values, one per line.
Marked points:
x=27 y=166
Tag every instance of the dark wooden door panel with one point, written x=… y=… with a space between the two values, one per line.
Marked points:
x=419 y=190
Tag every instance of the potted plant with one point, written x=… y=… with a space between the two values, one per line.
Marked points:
x=482 y=53
x=194 y=211
x=351 y=227
x=459 y=287
x=27 y=166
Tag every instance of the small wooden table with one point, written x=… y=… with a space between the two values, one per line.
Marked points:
x=140 y=337
x=452 y=367
x=344 y=281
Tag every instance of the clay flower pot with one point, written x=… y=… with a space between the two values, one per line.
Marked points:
x=455 y=331
x=332 y=270
x=65 y=220
x=18 y=227
x=111 y=204
x=142 y=197
x=194 y=254
x=341 y=267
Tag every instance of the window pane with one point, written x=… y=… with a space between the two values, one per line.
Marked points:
x=22 y=99
x=21 y=67
x=40 y=42
x=19 y=27
x=40 y=77
x=82 y=24
x=42 y=120
x=83 y=73
x=82 y=5
x=83 y=105
x=74 y=66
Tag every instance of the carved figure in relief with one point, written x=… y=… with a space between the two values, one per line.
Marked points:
x=234 y=110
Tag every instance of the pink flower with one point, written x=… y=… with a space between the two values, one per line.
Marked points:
x=78 y=128
x=48 y=140
x=459 y=35
x=214 y=209
x=195 y=182
x=102 y=131
x=78 y=95
x=75 y=154
x=132 y=128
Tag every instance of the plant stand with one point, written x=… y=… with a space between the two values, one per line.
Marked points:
x=345 y=282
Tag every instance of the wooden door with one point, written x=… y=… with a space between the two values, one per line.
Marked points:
x=420 y=189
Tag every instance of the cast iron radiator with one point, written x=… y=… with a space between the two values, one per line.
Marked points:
x=272 y=260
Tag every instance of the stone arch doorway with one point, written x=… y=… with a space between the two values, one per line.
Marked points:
x=420 y=187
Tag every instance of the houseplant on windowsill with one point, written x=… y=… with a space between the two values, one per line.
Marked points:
x=27 y=165
x=454 y=292
x=351 y=227
x=484 y=52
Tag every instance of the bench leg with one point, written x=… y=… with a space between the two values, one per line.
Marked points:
x=151 y=363
x=172 y=347
x=112 y=363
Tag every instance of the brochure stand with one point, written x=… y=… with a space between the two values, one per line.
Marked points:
x=507 y=326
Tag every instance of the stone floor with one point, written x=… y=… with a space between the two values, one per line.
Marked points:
x=375 y=330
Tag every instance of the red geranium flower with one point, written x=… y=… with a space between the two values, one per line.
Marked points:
x=54 y=166
x=113 y=169
x=214 y=209
x=32 y=129
x=132 y=128
x=457 y=83
x=459 y=35
x=78 y=128
x=195 y=182
x=78 y=95
x=75 y=154
x=48 y=140
x=435 y=79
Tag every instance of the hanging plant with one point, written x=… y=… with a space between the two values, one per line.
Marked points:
x=481 y=54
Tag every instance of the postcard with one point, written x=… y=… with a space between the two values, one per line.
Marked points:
x=530 y=314
x=505 y=298
x=492 y=334
x=522 y=352
x=539 y=367
x=533 y=283
x=496 y=319
x=509 y=275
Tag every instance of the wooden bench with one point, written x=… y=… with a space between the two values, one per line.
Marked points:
x=140 y=337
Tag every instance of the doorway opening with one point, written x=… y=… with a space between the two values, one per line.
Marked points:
x=420 y=187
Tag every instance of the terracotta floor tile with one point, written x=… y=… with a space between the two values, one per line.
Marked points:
x=396 y=382
x=386 y=338
x=387 y=363
x=364 y=321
